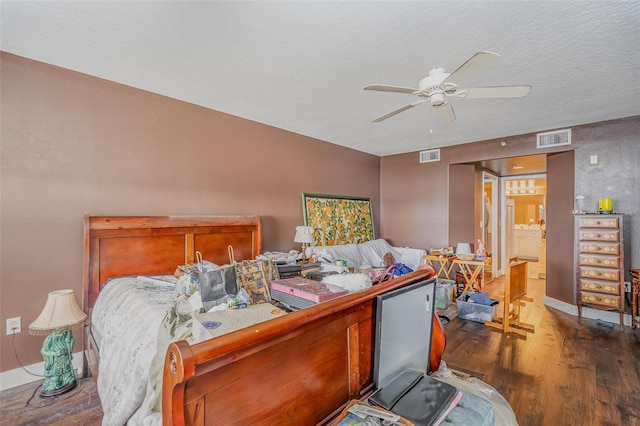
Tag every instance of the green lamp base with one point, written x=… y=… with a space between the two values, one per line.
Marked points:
x=59 y=391
x=59 y=376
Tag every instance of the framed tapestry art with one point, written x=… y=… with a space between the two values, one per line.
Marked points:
x=338 y=219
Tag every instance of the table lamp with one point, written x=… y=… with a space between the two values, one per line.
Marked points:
x=60 y=314
x=304 y=235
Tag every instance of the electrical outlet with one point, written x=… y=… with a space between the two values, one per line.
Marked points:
x=14 y=325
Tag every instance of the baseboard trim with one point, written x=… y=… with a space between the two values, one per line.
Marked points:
x=18 y=377
x=568 y=308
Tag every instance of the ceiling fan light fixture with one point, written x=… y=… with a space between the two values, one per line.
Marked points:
x=439 y=85
x=437 y=99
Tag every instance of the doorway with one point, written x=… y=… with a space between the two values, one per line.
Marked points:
x=525 y=232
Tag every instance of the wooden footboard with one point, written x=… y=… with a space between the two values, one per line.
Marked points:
x=301 y=368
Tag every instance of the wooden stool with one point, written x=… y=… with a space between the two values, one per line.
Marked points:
x=515 y=296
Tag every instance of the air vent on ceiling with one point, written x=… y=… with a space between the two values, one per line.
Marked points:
x=430 y=155
x=555 y=138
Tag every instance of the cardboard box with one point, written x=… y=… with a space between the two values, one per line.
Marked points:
x=474 y=311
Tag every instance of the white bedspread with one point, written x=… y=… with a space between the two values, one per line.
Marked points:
x=126 y=351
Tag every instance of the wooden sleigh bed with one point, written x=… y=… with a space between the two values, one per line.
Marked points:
x=301 y=368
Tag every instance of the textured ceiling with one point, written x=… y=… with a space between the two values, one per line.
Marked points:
x=302 y=66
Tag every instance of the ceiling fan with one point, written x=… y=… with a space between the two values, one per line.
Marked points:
x=440 y=86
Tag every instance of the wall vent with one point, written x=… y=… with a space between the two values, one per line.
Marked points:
x=430 y=155
x=555 y=138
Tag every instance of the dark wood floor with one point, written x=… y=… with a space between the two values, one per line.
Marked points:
x=23 y=405
x=566 y=373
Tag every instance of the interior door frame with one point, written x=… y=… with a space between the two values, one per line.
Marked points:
x=509 y=222
x=493 y=217
x=503 y=200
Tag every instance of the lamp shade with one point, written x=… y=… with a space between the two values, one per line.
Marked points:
x=304 y=234
x=463 y=248
x=60 y=311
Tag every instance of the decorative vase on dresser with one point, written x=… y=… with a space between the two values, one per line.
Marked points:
x=599 y=259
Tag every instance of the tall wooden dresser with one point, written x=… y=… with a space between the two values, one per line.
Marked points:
x=599 y=257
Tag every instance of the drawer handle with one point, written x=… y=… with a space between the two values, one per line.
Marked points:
x=598 y=235
x=598 y=248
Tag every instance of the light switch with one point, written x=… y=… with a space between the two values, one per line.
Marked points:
x=593 y=159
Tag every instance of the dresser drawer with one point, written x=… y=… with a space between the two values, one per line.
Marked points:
x=600 y=286
x=599 y=248
x=599 y=235
x=598 y=222
x=600 y=273
x=600 y=299
x=602 y=261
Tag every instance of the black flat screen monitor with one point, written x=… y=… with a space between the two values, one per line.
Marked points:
x=404 y=323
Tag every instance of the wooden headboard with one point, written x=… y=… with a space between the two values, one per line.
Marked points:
x=156 y=245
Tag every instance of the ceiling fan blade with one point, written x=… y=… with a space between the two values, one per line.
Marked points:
x=445 y=113
x=493 y=92
x=398 y=111
x=397 y=89
x=473 y=66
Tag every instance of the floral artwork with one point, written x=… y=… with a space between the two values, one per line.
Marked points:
x=338 y=219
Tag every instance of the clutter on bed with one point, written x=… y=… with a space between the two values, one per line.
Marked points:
x=213 y=324
x=349 y=282
x=386 y=275
x=217 y=286
x=254 y=276
x=299 y=292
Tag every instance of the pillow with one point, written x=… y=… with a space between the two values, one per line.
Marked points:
x=187 y=284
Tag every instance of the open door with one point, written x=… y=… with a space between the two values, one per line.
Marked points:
x=490 y=229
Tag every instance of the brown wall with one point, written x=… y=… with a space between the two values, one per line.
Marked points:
x=462 y=217
x=421 y=218
x=560 y=238
x=73 y=144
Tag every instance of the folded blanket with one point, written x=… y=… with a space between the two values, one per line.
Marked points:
x=483 y=299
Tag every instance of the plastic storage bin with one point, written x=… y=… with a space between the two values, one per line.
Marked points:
x=474 y=311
